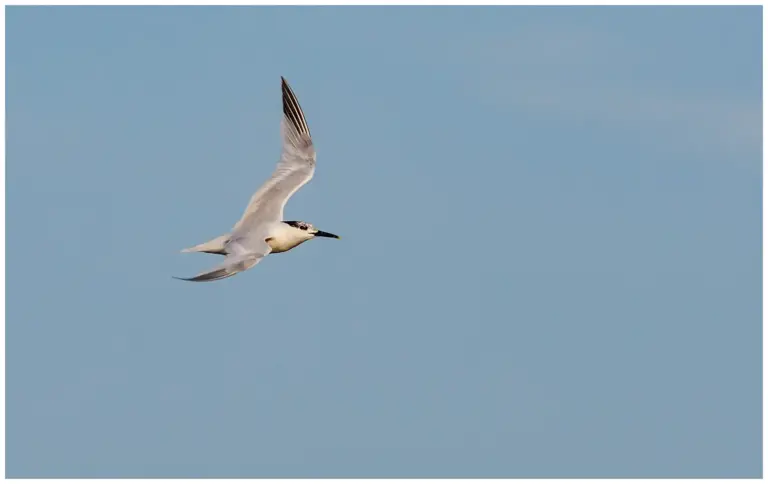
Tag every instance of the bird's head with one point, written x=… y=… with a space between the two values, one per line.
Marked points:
x=309 y=229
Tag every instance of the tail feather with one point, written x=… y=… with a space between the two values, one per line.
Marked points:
x=215 y=246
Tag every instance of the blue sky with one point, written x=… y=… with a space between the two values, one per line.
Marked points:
x=550 y=263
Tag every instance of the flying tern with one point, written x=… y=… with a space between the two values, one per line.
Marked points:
x=261 y=230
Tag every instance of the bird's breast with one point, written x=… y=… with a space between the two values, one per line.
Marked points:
x=283 y=243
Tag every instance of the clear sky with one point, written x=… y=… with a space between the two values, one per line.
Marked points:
x=550 y=262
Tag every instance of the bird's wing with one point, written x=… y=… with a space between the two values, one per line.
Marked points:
x=242 y=256
x=295 y=168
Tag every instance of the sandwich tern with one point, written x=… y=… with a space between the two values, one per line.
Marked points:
x=261 y=230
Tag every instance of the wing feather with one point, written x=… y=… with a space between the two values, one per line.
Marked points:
x=295 y=168
x=242 y=255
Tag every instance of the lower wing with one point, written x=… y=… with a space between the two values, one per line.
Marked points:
x=233 y=264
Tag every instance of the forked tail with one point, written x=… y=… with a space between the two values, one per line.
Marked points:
x=215 y=246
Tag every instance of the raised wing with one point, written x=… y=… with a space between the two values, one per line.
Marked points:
x=295 y=168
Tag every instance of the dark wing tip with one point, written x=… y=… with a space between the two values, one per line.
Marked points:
x=292 y=110
x=209 y=276
x=287 y=91
x=184 y=278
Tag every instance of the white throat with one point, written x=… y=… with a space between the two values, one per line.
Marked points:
x=283 y=237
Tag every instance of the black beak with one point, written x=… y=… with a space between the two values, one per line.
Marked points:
x=320 y=233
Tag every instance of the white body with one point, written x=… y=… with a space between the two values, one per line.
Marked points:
x=280 y=237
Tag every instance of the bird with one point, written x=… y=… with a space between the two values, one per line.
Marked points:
x=261 y=230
